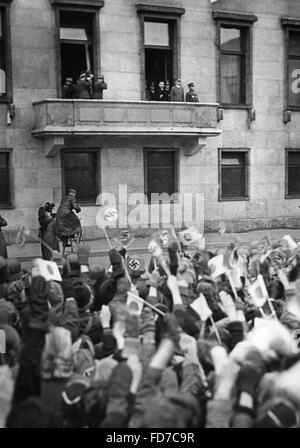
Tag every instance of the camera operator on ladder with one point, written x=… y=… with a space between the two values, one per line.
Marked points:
x=67 y=223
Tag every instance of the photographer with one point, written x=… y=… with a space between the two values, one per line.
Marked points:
x=99 y=86
x=45 y=217
x=85 y=83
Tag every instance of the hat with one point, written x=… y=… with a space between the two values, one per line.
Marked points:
x=191 y=84
x=72 y=259
x=7 y=312
x=95 y=273
x=14 y=269
x=82 y=297
x=177 y=80
x=3 y=270
x=72 y=190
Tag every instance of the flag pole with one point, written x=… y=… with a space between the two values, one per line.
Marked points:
x=215 y=329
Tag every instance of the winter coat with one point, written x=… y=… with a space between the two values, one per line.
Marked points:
x=177 y=94
x=67 y=223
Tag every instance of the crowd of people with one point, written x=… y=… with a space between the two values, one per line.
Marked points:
x=162 y=91
x=201 y=348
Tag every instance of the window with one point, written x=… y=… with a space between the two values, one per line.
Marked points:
x=5 y=55
x=292 y=167
x=161 y=171
x=235 y=61
x=233 y=87
x=292 y=60
x=81 y=171
x=76 y=44
x=294 y=69
x=233 y=174
x=159 y=46
x=5 y=179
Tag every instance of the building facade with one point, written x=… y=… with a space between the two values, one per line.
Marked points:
x=238 y=148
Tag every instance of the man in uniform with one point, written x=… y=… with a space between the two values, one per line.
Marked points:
x=191 y=96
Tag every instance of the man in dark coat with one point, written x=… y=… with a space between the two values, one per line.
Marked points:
x=3 y=250
x=177 y=93
x=46 y=217
x=160 y=94
x=67 y=223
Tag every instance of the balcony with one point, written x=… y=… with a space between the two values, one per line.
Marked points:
x=56 y=119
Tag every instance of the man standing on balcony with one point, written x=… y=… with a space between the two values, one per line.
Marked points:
x=177 y=93
x=160 y=94
x=191 y=96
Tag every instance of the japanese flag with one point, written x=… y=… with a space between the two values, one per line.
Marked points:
x=134 y=304
x=216 y=265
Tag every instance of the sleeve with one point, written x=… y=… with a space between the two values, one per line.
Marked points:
x=118 y=391
x=218 y=414
x=70 y=318
x=28 y=382
x=148 y=388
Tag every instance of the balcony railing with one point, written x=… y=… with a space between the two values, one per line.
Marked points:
x=60 y=117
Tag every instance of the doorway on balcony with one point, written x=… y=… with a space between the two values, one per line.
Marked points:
x=76 y=40
x=160 y=57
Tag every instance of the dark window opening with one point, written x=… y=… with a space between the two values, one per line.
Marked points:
x=233 y=65
x=293 y=173
x=5 y=181
x=76 y=44
x=161 y=172
x=80 y=171
x=233 y=175
x=2 y=56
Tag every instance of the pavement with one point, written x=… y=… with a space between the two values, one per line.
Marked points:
x=99 y=247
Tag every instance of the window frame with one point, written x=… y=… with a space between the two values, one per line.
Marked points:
x=69 y=6
x=287 y=195
x=8 y=98
x=176 y=151
x=171 y=15
x=97 y=170
x=244 y=22
x=289 y=25
x=11 y=182
x=245 y=151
